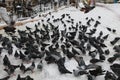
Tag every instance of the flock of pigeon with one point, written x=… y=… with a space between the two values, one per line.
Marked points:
x=51 y=45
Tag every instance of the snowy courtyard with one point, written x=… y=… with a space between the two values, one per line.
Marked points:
x=67 y=35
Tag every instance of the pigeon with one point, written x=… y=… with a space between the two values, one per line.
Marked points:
x=5 y=41
x=63 y=16
x=82 y=49
x=10 y=51
x=69 y=54
x=92 y=53
x=86 y=18
x=102 y=41
x=57 y=45
x=105 y=37
x=90 y=77
x=101 y=33
x=22 y=56
x=52 y=16
x=94 y=60
x=67 y=14
x=69 y=17
x=6 y=61
x=63 y=69
x=68 y=21
x=100 y=50
x=115 y=40
x=76 y=73
x=80 y=62
x=28 y=28
x=111 y=59
x=30 y=68
x=61 y=66
x=50 y=59
x=102 y=57
x=88 y=47
x=24 y=78
x=75 y=52
x=116 y=68
x=67 y=44
x=91 y=66
x=61 y=39
x=9 y=29
x=97 y=71
x=10 y=70
x=110 y=76
x=16 y=55
x=40 y=66
x=99 y=17
x=88 y=22
x=79 y=72
x=107 y=52
x=117 y=48
x=19 y=78
x=22 y=68
x=5 y=78
x=61 y=61
x=92 y=19
x=97 y=23
x=74 y=42
x=25 y=58
x=116 y=55
x=114 y=30
x=48 y=19
x=65 y=25
x=15 y=66
x=109 y=29
x=38 y=23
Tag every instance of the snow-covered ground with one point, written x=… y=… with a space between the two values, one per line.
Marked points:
x=110 y=17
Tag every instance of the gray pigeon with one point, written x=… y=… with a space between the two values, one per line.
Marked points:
x=40 y=66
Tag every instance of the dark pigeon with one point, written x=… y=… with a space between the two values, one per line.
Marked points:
x=97 y=23
x=61 y=66
x=105 y=37
x=109 y=29
x=30 y=68
x=79 y=72
x=110 y=76
x=9 y=29
x=114 y=30
x=116 y=69
x=16 y=55
x=6 y=61
x=22 y=68
x=90 y=77
x=40 y=66
x=107 y=52
x=111 y=59
x=115 y=40
x=97 y=71
x=94 y=60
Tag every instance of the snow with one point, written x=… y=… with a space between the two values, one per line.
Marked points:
x=110 y=17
